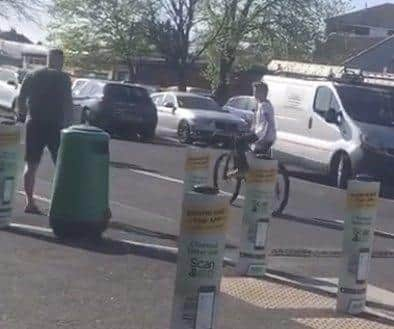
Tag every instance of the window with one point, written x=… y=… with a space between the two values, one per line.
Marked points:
x=124 y=93
x=198 y=103
x=231 y=102
x=7 y=76
x=158 y=100
x=169 y=99
x=325 y=99
x=251 y=104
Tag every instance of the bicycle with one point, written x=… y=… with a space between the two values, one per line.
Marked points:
x=234 y=168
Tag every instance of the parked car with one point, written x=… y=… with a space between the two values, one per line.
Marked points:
x=9 y=88
x=193 y=117
x=243 y=107
x=116 y=108
x=194 y=90
x=337 y=128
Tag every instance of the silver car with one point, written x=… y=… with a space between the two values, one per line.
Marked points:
x=193 y=117
x=9 y=88
x=243 y=107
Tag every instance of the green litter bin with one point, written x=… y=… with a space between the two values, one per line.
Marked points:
x=80 y=205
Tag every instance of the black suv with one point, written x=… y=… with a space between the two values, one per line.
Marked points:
x=117 y=108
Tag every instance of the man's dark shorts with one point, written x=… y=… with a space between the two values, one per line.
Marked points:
x=38 y=136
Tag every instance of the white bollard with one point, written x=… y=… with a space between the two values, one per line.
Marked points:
x=197 y=165
x=200 y=259
x=260 y=185
x=362 y=200
x=10 y=168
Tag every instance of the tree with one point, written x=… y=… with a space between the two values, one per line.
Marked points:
x=22 y=8
x=172 y=26
x=105 y=31
x=264 y=29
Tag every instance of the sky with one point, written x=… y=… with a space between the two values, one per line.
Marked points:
x=37 y=31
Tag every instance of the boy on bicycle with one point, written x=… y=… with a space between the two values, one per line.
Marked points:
x=263 y=125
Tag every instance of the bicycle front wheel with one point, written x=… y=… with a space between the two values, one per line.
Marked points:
x=282 y=190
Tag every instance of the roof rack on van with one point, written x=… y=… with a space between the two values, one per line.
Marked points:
x=330 y=72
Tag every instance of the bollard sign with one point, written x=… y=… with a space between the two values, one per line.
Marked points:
x=196 y=168
x=362 y=200
x=10 y=164
x=200 y=260
x=260 y=185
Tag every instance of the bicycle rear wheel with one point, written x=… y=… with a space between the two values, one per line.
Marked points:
x=223 y=176
x=282 y=190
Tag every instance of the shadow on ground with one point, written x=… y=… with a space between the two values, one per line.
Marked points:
x=125 y=165
x=104 y=245
x=386 y=190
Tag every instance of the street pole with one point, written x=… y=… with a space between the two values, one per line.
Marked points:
x=260 y=186
x=200 y=259
x=362 y=200
x=196 y=168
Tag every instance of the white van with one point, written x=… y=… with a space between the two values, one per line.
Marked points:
x=341 y=129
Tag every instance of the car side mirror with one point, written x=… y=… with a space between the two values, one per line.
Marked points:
x=332 y=116
x=12 y=83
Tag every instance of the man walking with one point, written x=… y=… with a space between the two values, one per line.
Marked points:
x=45 y=96
x=264 y=125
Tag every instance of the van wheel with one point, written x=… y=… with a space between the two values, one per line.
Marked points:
x=342 y=171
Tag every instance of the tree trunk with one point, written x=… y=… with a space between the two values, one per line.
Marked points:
x=131 y=67
x=182 y=73
x=222 y=90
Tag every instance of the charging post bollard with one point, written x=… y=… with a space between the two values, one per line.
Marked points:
x=361 y=209
x=196 y=168
x=260 y=186
x=10 y=165
x=200 y=259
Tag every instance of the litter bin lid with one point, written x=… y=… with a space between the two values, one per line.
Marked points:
x=85 y=128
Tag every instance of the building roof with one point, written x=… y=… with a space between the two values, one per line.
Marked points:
x=12 y=35
x=16 y=50
x=378 y=16
x=339 y=47
x=369 y=49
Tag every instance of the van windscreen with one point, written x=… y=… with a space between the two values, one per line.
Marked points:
x=367 y=104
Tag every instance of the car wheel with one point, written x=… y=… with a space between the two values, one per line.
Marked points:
x=342 y=171
x=184 y=133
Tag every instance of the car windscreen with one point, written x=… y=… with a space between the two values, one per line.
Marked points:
x=7 y=75
x=368 y=104
x=125 y=94
x=200 y=103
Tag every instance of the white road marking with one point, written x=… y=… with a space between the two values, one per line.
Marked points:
x=173 y=180
x=31 y=228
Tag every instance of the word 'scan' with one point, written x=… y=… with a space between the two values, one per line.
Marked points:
x=361 y=209
x=200 y=259
x=260 y=186
x=10 y=168
x=197 y=166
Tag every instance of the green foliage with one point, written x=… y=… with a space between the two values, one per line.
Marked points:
x=99 y=31
x=254 y=31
